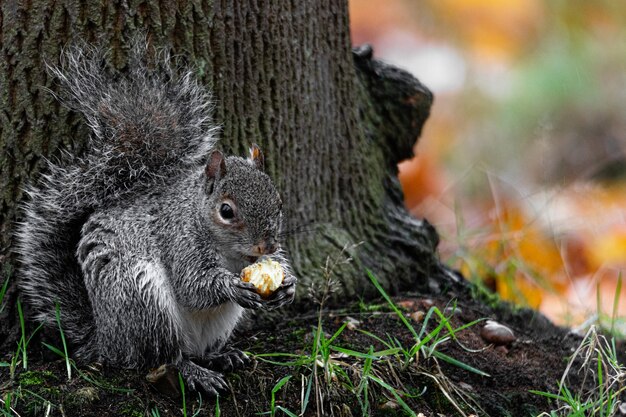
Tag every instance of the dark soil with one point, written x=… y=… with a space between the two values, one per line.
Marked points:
x=534 y=361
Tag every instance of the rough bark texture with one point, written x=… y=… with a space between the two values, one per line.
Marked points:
x=333 y=124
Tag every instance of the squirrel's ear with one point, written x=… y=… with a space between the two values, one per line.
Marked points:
x=256 y=157
x=216 y=167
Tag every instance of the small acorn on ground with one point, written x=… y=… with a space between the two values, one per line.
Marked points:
x=497 y=333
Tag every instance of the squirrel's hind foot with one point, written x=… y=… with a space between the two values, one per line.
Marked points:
x=198 y=378
x=228 y=359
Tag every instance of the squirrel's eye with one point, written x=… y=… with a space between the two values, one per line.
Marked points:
x=226 y=211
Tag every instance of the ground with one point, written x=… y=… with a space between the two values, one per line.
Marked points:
x=363 y=365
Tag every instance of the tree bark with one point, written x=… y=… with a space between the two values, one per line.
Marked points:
x=332 y=123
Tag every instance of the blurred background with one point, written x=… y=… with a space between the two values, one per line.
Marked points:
x=522 y=164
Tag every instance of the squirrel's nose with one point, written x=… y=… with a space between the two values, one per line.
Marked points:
x=265 y=247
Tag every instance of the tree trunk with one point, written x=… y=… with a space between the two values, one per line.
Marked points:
x=333 y=124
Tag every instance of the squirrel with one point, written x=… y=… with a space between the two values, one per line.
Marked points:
x=140 y=242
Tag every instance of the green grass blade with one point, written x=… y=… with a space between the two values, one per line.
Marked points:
x=33 y=333
x=445 y=320
x=458 y=363
x=548 y=395
x=598 y=300
x=337 y=333
x=367 y=365
x=200 y=409
x=307 y=395
x=67 y=358
x=23 y=336
x=427 y=317
x=280 y=383
x=618 y=292
x=302 y=359
x=182 y=393
x=284 y=410
x=54 y=349
x=104 y=386
x=363 y=388
x=374 y=355
x=395 y=394
x=470 y=324
x=373 y=336
x=613 y=354
x=387 y=352
x=600 y=380
x=391 y=303
x=275 y=389
x=275 y=354
x=3 y=291
x=6 y=401
x=277 y=363
x=430 y=336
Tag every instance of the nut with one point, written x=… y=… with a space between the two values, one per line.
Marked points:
x=497 y=333
x=266 y=275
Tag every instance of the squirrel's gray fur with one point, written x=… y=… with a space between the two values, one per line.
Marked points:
x=129 y=240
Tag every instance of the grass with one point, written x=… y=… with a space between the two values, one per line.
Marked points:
x=34 y=389
x=603 y=380
x=517 y=254
x=40 y=390
x=321 y=353
x=607 y=324
x=492 y=259
x=273 y=407
x=330 y=369
x=3 y=289
x=400 y=368
x=601 y=373
x=600 y=363
x=427 y=343
x=182 y=394
x=198 y=405
x=618 y=293
x=63 y=354
x=22 y=345
x=6 y=409
x=25 y=396
x=218 y=411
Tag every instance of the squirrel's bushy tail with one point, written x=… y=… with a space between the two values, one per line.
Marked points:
x=147 y=126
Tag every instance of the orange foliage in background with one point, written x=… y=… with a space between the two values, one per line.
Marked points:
x=560 y=246
x=492 y=30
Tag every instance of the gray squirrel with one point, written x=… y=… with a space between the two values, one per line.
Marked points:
x=140 y=242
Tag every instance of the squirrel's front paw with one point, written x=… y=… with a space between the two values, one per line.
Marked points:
x=283 y=295
x=245 y=294
x=198 y=378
